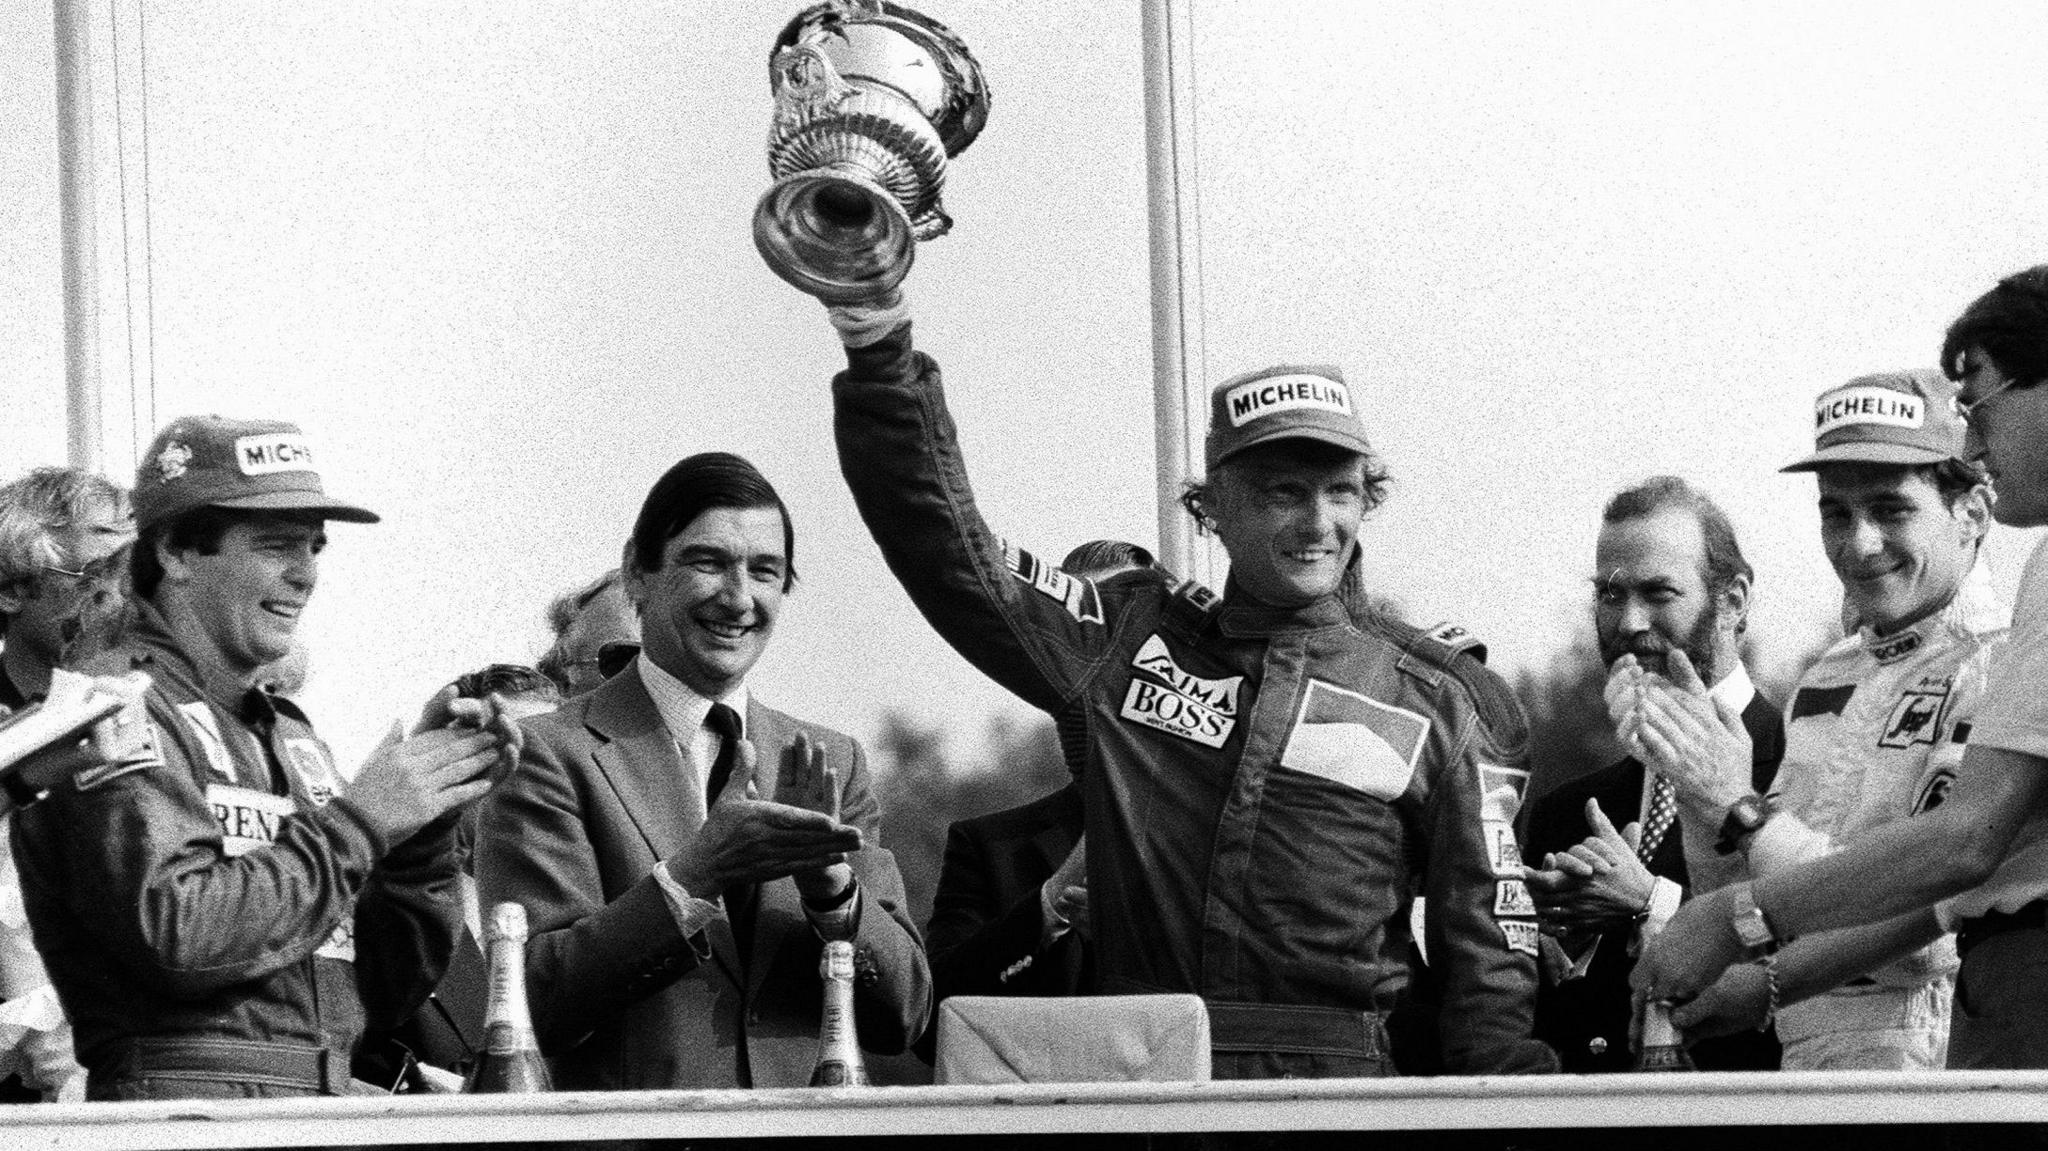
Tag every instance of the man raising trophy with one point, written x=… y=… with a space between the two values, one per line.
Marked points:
x=1270 y=775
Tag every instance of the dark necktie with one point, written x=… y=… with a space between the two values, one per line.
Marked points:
x=725 y=722
x=1658 y=820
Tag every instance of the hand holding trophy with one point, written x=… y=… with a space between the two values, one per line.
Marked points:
x=871 y=99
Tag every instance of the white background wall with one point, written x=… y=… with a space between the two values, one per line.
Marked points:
x=495 y=256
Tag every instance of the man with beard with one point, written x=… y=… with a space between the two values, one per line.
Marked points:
x=1671 y=587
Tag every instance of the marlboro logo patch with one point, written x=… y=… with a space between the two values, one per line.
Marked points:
x=1355 y=740
x=1070 y=591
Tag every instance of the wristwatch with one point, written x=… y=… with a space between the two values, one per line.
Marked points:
x=1749 y=923
x=1746 y=816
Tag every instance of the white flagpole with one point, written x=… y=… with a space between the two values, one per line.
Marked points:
x=1179 y=370
x=103 y=206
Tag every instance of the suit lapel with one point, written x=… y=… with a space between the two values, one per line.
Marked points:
x=773 y=907
x=638 y=757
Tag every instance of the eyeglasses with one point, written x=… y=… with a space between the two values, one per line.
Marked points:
x=105 y=570
x=1964 y=409
x=610 y=660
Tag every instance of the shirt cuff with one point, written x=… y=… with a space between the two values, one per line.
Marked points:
x=1664 y=899
x=838 y=923
x=692 y=914
x=1052 y=924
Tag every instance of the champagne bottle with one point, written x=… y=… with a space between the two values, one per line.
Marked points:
x=510 y=1062
x=839 y=1060
x=1662 y=1050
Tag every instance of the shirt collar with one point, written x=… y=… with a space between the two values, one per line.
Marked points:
x=1735 y=689
x=680 y=707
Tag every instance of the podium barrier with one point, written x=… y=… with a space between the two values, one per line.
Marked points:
x=1745 y=1099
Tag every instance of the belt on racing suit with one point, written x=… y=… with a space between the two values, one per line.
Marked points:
x=236 y=1061
x=1296 y=1029
x=1977 y=929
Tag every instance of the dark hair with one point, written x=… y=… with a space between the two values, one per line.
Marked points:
x=2010 y=323
x=692 y=487
x=1723 y=561
x=198 y=530
x=1954 y=479
x=1099 y=557
x=505 y=679
x=1194 y=494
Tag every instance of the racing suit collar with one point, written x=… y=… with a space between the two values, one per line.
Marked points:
x=1975 y=610
x=154 y=642
x=1241 y=616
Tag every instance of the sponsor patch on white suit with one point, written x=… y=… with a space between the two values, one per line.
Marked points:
x=251 y=820
x=1167 y=698
x=1355 y=740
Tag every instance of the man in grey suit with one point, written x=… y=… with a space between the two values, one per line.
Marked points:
x=682 y=850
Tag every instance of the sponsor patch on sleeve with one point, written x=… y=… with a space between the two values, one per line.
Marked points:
x=1511 y=897
x=315 y=769
x=1500 y=792
x=1355 y=740
x=1520 y=935
x=1070 y=591
x=1502 y=849
x=1458 y=637
x=1167 y=698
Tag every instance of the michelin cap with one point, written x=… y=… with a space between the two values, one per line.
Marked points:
x=1289 y=401
x=216 y=462
x=1906 y=417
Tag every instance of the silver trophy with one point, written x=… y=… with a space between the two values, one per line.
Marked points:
x=871 y=99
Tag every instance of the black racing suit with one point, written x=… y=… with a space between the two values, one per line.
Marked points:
x=223 y=921
x=1266 y=789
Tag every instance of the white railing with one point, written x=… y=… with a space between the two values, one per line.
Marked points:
x=1732 y=1099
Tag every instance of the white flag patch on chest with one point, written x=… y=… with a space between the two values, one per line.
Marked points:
x=212 y=743
x=1355 y=740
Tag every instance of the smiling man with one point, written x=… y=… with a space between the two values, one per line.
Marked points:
x=680 y=897
x=1985 y=847
x=1878 y=725
x=1267 y=782
x=224 y=920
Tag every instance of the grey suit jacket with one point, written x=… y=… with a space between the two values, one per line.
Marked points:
x=619 y=997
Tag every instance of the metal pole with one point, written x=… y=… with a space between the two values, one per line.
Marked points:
x=1178 y=368
x=77 y=214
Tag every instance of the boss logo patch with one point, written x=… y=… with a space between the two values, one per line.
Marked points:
x=1178 y=702
x=1914 y=718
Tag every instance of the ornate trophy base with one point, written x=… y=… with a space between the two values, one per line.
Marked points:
x=835 y=233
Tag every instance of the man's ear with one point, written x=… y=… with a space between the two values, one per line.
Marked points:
x=13 y=599
x=175 y=562
x=1973 y=514
x=632 y=581
x=1735 y=604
